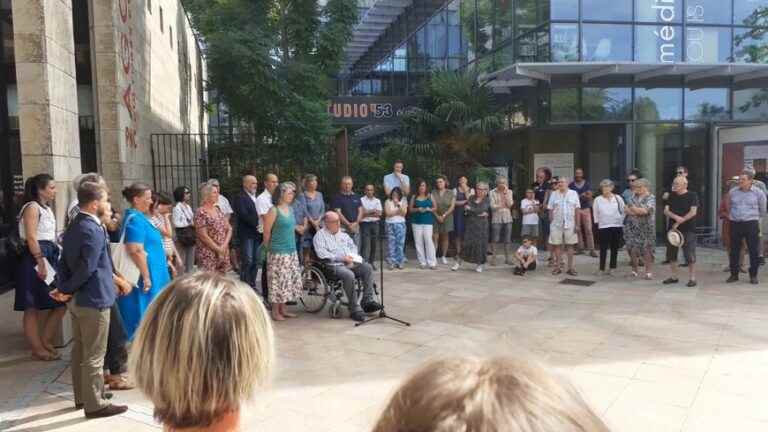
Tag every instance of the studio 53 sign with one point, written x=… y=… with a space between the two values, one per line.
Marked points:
x=365 y=110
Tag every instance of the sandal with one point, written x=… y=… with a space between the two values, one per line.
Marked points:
x=634 y=274
x=556 y=272
x=648 y=276
x=44 y=357
x=571 y=273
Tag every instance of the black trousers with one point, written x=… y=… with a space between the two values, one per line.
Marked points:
x=369 y=232
x=264 y=285
x=116 y=359
x=610 y=238
x=748 y=231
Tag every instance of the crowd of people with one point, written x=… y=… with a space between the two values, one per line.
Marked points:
x=275 y=232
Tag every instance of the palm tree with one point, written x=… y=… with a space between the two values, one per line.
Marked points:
x=456 y=122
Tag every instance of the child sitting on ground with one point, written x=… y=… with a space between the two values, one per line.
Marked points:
x=526 y=257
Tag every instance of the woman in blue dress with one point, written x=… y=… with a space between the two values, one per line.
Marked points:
x=314 y=206
x=145 y=246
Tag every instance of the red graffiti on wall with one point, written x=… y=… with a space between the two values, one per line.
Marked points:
x=128 y=66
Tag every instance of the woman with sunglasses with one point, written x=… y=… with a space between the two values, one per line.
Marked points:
x=183 y=221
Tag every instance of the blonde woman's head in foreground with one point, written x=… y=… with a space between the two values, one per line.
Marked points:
x=487 y=395
x=204 y=346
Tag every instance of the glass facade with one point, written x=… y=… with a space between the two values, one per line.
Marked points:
x=608 y=124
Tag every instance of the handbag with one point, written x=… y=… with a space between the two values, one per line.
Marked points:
x=121 y=259
x=186 y=236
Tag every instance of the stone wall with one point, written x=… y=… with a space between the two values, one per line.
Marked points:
x=47 y=92
x=148 y=76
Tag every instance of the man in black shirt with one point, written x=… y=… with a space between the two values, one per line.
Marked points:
x=681 y=208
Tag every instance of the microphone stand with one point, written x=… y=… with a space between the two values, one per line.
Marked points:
x=382 y=313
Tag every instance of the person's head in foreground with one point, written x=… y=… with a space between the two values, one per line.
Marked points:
x=204 y=346
x=487 y=395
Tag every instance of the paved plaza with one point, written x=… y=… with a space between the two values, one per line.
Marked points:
x=648 y=357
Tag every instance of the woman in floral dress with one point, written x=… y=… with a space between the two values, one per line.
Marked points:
x=640 y=227
x=213 y=233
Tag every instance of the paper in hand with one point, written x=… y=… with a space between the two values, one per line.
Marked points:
x=50 y=273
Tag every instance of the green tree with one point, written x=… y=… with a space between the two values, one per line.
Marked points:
x=457 y=121
x=752 y=47
x=271 y=61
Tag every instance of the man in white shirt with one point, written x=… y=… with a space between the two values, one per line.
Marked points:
x=397 y=179
x=369 y=225
x=263 y=204
x=562 y=206
x=340 y=252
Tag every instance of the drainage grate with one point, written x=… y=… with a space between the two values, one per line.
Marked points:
x=577 y=282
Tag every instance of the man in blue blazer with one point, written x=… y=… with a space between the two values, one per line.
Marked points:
x=86 y=272
x=248 y=230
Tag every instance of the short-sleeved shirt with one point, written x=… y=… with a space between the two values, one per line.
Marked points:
x=391 y=181
x=527 y=251
x=422 y=218
x=529 y=218
x=584 y=188
x=563 y=208
x=224 y=205
x=681 y=205
x=501 y=203
x=349 y=205
x=371 y=204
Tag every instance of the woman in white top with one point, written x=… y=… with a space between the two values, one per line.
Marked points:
x=184 y=226
x=37 y=230
x=395 y=209
x=608 y=213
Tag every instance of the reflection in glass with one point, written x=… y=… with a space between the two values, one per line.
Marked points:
x=530 y=14
x=603 y=42
x=533 y=46
x=750 y=104
x=657 y=153
x=660 y=11
x=565 y=42
x=503 y=27
x=606 y=104
x=706 y=104
x=745 y=11
x=658 y=44
x=601 y=10
x=565 y=105
x=467 y=17
x=417 y=44
x=708 y=12
x=658 y=104
x=437 y=36
x=484 y=26
x=707 y=44
x=695 y=156
x=565 y=9
x=750 y=46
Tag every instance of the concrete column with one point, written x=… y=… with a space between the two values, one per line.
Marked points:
x=47 y=93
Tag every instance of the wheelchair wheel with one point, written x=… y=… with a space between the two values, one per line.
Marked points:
x=335 y=311
x=314 y=291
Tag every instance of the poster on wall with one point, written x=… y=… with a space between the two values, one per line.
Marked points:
x=561 y=164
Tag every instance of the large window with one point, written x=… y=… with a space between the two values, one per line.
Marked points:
x=749 y=47
x=602 y=10
x=706 y=104
x=606 y=42
x=565 y=9
x=744 y=9
x=658 y=44
x=606 y=104
x=708 y=12
x=658 y=104
x=659 y=11
x=565 y=42
x=707 y=44
x=565 y=105
x=750 y=104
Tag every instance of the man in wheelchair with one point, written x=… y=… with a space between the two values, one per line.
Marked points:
x=339 y=253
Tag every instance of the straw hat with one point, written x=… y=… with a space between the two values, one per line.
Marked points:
x=675 y=238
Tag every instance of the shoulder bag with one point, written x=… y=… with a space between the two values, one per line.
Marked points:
x=122 y=259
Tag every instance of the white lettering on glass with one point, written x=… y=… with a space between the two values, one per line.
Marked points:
x=666 y=34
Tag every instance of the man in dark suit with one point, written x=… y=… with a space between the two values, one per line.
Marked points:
x=248 y=230
x=86 y=272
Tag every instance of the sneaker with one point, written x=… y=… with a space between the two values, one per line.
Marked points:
x=399 y=266
x=358 y=316
x=669 y=281
x=444 y=260
x=433 y=267
x=479 y=268
x=107 y=411
x=422 y=266
x=391 y=267
x=370 y=307
x=455 y=267
x=733 y=278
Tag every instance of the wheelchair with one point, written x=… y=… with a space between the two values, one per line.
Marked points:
x=320 y=286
